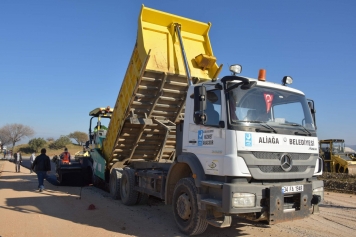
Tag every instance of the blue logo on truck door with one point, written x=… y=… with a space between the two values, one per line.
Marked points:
x=248 y=139
x=200 y=137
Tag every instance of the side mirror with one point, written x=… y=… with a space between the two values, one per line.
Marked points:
x=311 y=106
x=221 y=124
x=312 y=110
x=199 y=104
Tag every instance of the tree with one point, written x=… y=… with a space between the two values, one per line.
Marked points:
x=79 y=137
x=36 y=143
x=60 y=143
x=15 y=132
x=4 y=137
x=50 y=139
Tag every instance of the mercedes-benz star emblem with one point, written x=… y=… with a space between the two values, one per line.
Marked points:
x=286 y=162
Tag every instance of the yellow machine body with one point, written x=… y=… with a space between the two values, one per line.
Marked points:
x=334 y=156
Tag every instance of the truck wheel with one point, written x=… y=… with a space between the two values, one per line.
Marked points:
x=128 y=194
x=190 y=220
x=142 y=198
x=115 y=177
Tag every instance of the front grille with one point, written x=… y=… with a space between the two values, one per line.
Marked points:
x=278 y=168
x=277 y=155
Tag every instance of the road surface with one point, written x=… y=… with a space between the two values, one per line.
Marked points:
x=64 y=211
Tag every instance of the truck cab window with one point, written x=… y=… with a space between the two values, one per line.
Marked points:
x=289 y=113
x=213 y=108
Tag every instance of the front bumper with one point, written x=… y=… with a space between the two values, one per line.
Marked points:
x=271 y=202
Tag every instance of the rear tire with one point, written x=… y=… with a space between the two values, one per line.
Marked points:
x=190 y=220
x=115 y=179
x=129 y=196
x=142 y=198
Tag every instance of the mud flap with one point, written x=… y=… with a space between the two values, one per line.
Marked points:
x=315 y=210
x=291 y=206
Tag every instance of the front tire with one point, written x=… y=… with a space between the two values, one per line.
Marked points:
x=115 y=179
x=190 y=220
x=129 y=196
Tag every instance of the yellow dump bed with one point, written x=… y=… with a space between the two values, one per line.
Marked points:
x=152 y=95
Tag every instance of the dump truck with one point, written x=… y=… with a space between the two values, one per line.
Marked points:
x=211 y=146
x=335 y=158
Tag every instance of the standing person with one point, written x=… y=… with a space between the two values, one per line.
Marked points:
x=18 y=160
x=41 y=166
x=65 y=156
x=4 y=154
x=32 y=158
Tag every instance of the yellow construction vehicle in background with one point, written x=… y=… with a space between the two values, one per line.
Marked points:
x=335 y=159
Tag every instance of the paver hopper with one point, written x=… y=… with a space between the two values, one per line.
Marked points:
x=77 y=172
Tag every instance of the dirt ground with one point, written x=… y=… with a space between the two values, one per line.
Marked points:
x=64 y=211
x=339 y=182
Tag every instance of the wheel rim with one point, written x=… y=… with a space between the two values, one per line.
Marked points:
x=184 y=207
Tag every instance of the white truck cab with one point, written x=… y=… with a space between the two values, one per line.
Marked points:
x=257 y=146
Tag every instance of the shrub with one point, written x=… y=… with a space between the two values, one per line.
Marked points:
x=36 y=143
x=60 y=143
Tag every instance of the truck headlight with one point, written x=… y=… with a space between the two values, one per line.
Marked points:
x=320 y=192
x=318 y=167
x=243 y=200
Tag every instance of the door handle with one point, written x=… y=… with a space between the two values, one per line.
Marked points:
x=192 y=141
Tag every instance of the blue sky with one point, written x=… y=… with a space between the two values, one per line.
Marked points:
x=61 y=59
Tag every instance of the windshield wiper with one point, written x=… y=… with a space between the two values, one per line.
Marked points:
x=307 y=133
x=264 y=125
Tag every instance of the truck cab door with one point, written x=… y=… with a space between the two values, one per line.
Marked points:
x=207 y=141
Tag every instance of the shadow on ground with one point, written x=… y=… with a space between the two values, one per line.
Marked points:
x=111 y=215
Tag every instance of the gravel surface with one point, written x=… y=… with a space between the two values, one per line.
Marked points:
x=339 y=182
x=70 y=211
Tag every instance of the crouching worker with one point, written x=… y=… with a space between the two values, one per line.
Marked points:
x=65 y=156
x=42 y=167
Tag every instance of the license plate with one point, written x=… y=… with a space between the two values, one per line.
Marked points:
x=292 y=189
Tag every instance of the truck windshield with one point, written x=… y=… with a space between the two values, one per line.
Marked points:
x=269 y=105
